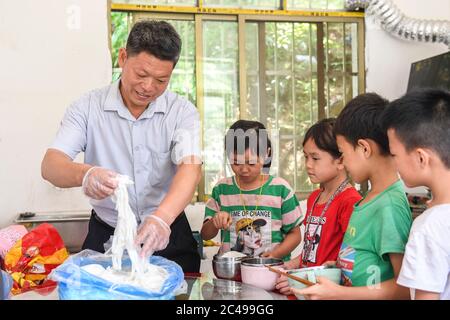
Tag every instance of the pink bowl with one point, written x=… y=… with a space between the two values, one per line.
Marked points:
x=254 y=272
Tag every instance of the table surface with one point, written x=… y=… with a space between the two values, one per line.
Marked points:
x=199 y=287
x=206 y=287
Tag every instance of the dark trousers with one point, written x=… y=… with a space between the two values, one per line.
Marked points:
x=182 y=247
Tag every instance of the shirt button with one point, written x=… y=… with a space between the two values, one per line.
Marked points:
x=136 y=148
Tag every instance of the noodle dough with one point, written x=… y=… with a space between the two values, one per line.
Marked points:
x=233 y=254
x=142 y=273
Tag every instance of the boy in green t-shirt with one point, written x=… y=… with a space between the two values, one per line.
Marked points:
x=374 y=243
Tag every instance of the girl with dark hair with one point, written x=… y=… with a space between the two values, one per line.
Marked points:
x=258 y=214
x=328 y=208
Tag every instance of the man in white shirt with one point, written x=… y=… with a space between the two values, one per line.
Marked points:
x=138 y=128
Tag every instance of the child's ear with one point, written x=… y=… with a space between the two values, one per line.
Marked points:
x=267 y=157
x=340 y=163
x=365 y=147
x=422 y=157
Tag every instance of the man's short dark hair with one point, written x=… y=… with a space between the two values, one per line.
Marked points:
x=158 y=38
x=421 y=119
x=323 y=136
x=361 y=119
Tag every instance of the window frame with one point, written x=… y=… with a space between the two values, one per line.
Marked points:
x=199 y=14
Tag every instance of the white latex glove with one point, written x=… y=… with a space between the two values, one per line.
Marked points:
x=99 y=183
x=154 y=234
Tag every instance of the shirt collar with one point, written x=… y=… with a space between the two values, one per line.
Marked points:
x=114 y=102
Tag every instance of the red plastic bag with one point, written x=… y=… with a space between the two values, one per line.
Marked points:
x=34 y=256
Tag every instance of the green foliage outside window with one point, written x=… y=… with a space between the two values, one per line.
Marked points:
x=288 y=104
x=119 y=35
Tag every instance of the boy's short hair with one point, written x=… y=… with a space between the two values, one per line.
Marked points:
x=252 y=135
x=361 y=119
x=421 y=119
x=323 y=136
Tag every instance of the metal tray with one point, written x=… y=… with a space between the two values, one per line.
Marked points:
x=73 y=227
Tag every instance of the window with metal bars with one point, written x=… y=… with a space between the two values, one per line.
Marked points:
x=285 y=71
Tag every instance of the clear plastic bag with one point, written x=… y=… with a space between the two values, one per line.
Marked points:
x=74 y=283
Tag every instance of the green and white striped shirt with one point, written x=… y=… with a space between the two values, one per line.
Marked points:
x=260 y=222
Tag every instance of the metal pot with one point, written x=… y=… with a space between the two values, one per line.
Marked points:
x=261 y=262
x=73 y=226
x=227 y=268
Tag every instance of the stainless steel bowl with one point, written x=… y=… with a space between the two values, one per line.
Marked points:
x=227 y=268
x=261 y=262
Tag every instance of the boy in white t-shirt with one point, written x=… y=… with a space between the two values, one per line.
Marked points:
x=418 y=127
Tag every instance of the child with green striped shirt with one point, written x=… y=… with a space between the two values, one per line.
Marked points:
x=258 y=214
